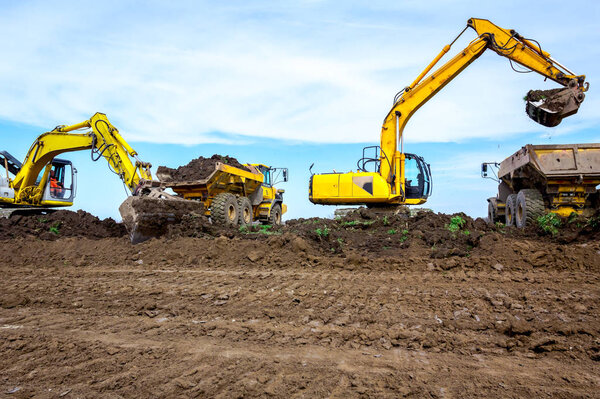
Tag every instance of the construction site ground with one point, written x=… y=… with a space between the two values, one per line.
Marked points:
x=363 y=306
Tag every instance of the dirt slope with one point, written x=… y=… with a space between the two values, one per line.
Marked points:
x=298 y=313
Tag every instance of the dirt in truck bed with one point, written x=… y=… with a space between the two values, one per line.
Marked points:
x=366 y=305
x=197 y=169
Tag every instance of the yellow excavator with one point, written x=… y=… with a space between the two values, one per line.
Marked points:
x=399 y=178
x=43 y=182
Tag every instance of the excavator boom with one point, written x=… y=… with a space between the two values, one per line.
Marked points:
x=388 y=184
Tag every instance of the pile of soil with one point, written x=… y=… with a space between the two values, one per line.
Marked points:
x=550 y=103
x=58 y=224
x=197 y=169
x=369 y=232
x=278 y=314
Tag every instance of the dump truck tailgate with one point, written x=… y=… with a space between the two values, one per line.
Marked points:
x=558 y=160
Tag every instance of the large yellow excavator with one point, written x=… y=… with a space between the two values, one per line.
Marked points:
x=399 y=178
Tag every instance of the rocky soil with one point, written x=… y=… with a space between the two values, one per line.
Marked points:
x=367 y=305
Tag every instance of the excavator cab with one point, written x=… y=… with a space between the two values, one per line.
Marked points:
x=417 y=172
x=417 y=177
x=61 y=181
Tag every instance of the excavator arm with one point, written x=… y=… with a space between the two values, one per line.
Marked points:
x=506 y=43
x=103 y=140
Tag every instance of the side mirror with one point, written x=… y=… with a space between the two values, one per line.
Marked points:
x=484 y=169
x=285 y=175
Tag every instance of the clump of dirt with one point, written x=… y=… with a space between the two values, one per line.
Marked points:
x=60 y=224
x=197 y=169
x=548 y=97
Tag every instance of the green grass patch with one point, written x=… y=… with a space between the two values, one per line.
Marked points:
x=55 y=228
x=456 y=223
x=322 y=233
x=549 y=223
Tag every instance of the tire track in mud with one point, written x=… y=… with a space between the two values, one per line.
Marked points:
x=90 y=317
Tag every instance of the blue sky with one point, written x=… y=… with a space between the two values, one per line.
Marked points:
x=283 y=83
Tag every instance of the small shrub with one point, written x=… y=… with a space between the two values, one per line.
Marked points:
x=404 y=235
x=324 y=232
x=54 y=229
x=456 y=223
x=392 y=231
x=350 y=223
x=549 y=223
x=386 y=222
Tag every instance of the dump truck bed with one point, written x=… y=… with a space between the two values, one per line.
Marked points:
x=224 y=178
x=555 y=161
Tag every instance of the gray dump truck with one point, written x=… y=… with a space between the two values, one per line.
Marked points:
x=560 y=178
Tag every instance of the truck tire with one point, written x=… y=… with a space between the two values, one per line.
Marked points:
x=224 y=210
x=275 y=215
x=246 y=214
x=530 y=206
x=510 y=210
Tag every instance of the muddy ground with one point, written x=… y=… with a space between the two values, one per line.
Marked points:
x=197 y=169
x=362 y=306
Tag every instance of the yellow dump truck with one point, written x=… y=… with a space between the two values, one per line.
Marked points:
x=233 y=196
x=560 y=178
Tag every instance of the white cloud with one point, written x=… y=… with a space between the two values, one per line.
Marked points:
x=306 y=71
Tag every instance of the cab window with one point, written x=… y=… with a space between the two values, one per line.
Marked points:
x=267 y=176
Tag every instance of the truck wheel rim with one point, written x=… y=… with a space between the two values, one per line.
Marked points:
x=231 y=213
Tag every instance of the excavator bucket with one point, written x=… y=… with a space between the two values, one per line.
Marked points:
x=549 y=107
x=148 y=217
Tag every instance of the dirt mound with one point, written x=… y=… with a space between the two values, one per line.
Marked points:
x=197 y=169
x=370 y=232
x=546 y=96
x=60 y=224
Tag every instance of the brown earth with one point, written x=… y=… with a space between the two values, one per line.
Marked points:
x=362 y=306
x=57 y=224
x=197 y=169
x=550 y=103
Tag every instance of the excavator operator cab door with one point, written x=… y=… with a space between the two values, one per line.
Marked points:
x=417 y=177
x=61 y=184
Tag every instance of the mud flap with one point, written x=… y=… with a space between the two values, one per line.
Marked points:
x=146 y=217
